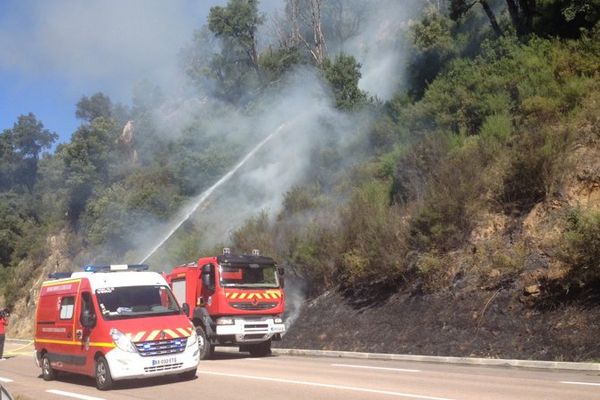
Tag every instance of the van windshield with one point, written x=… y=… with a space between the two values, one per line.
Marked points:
x=136 y=301
x=249 y=275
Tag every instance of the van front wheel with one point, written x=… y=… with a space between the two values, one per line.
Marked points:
x=103 y=378
x=47 y=371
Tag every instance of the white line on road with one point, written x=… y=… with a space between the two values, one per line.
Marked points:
x=6 y=380
x=325 y=385
x=73 y=395
x=370 y=367
x=581 y=383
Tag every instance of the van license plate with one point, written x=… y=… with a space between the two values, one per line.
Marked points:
x=164 y=361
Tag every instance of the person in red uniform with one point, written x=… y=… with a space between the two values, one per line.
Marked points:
x=3 y=322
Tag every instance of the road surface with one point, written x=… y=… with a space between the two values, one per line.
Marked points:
x=237 y=376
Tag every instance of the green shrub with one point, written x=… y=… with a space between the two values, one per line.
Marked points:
x=581 y=246
x=373 y=236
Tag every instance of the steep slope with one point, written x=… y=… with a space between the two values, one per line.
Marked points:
x=502 y=294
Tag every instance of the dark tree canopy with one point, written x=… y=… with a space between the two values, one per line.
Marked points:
x=90 y=108
x=22 y=146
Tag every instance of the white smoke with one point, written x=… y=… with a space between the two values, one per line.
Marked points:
x=304 y=98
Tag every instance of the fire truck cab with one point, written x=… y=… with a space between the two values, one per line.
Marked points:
x=113 y=322
x=236 y=300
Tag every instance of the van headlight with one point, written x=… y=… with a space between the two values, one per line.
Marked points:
x=278 y=320
x=192 y=339
x=225 y=321
x=122 y=341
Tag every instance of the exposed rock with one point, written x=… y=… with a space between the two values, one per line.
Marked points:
x=57 y=260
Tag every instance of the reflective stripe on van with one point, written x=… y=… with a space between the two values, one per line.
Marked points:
x=75 y=343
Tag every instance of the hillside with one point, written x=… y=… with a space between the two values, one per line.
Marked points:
x=501 y=294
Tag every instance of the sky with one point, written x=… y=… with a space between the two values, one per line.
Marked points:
x=55 y=52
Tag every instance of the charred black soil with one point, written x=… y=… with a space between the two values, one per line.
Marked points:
x=496 y=323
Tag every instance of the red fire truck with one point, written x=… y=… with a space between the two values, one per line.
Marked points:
x=233 y=300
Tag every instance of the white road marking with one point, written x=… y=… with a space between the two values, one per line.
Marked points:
x=325 y=385
x=581 y=383
x=379 y=368
x=6 y=380
x=73 y=395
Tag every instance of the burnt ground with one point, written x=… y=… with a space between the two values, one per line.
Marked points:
x=496 y=323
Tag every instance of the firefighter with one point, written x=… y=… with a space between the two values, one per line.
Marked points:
x=3 y=322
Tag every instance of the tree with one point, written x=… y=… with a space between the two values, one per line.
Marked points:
x=237 y=64
x=27 y=138
x=459 y=8
x=95 y=106
x=343 y=75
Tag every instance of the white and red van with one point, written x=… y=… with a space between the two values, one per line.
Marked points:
x=113 y=322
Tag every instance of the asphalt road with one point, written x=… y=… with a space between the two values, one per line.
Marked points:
x=237 y=376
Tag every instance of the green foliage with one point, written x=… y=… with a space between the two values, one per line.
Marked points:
x=343 y=74
x=581 y=246
x=274 y=63
x=236 y=67
x=254 y=235
x=96 y=106
x=372 y=236
x=21 y=148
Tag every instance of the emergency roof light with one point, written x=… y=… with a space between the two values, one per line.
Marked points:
x=116 y=267
x=226 y=250
x=256 y=252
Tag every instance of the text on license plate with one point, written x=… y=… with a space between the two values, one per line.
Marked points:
x=164 y=361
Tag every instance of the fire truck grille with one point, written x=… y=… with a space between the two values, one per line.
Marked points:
x=161 y=347
x=250 y=306
x=255 y=327
x=166 y=367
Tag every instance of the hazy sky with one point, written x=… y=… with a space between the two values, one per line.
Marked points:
x=54 y=52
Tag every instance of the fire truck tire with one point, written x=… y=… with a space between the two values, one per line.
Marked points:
x=104 y=380
x=204 y=346
x=48 y=372
x=261 y=349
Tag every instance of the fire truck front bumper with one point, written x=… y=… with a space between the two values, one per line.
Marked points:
x=249 y=330
x=127 y=365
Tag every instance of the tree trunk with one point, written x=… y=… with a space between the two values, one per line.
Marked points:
x=319 y=39
x=514 y=9
x=490 y=14
x=294 y=16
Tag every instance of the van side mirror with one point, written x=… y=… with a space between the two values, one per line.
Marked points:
x=208 y=278
x=185 y=307
x=88 y=319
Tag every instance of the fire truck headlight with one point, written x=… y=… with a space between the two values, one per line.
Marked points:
x=225 y=321
x=122 y=341
x=278 y=320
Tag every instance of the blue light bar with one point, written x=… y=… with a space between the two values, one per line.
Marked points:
x=115 y=267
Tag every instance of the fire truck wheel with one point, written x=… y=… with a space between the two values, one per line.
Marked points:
x=261 y=349
x=48 y=372
x=206 y=349
x=103 y=379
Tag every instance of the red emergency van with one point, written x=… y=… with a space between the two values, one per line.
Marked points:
x=113 y=322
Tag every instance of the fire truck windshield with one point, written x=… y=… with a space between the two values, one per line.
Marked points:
x=136 y=301
x=249 y=275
